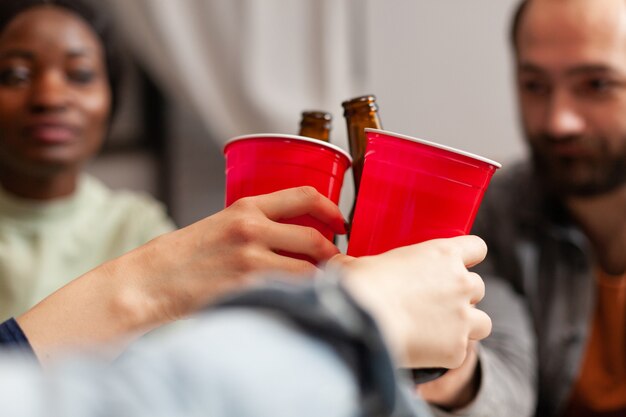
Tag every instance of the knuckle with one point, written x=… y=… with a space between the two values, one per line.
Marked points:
x=487 y=326
x=310 y=194
x=478 y=284
x=245 y=229
x=484 y=249
x=453 y=354
x=321 y=246
x=466 y=283
x=243 y=204
x=462 y=314
x=445 y=250
x=248 y=258
x=315 y=238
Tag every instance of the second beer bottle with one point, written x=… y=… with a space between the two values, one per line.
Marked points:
x=360 y=112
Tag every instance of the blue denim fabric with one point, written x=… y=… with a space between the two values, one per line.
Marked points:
x=235 y=362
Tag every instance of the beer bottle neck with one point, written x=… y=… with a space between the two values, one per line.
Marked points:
x=316 y=124
x=315 y=129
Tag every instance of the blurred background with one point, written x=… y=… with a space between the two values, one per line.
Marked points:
x=203 y=71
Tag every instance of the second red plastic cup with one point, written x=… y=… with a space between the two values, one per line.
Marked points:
x=414 y=190
x=264 y=163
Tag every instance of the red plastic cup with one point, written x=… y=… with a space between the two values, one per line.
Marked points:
x=413 y=190
x=265 y=163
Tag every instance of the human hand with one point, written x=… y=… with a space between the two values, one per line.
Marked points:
x=182 y=271
x=423 y=298
x=179 y=272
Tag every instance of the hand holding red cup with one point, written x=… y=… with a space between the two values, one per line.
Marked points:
x=264 y=163
x=413 y=190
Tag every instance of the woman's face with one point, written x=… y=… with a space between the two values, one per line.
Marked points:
x=54 y=94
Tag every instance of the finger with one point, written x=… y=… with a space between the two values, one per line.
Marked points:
x=294 y=202
x=296 y=268
x=302 y=240
x=473 y=249
x=480 y=324
x=477 y=287
x=340 y=260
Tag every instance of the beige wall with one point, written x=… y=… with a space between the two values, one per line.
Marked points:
x=440 y=68
x=442 y=71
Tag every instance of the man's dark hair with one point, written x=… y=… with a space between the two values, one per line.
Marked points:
x=100 y=21
x=517 y=20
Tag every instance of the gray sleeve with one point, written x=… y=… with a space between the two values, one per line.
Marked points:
x=507 y=359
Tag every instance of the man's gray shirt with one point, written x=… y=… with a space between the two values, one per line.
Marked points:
x=539 y=294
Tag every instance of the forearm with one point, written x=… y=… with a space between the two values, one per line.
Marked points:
x=213 y=367
x=105 y=308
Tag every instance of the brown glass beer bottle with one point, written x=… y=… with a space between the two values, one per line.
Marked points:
x=360 y=112
x=316 y=124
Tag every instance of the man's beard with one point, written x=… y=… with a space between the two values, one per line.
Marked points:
x=587 y=175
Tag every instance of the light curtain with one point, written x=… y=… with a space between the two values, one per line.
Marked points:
x=249 y=66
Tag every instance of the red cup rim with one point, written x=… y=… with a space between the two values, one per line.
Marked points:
x=435 y=145
x=292 y=137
